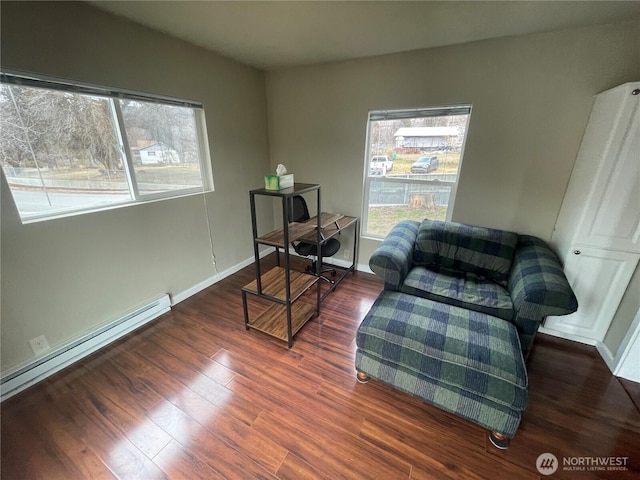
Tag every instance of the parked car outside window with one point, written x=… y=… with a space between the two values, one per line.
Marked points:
x=378 y=170
x=380 y=160
x=425 y=165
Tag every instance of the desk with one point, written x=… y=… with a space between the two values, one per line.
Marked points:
x=331 y=224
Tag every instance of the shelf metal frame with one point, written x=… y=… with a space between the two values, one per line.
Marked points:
x=282 y=239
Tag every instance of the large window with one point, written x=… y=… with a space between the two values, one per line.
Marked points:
x=412 y=165
x=68 y=148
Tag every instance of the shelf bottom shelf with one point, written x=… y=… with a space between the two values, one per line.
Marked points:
x=273 y=321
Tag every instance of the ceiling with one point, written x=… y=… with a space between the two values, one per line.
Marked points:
x=275 y=34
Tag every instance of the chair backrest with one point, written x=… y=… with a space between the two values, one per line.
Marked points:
x=298 y=211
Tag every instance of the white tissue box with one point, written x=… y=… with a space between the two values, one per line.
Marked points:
x=278 y=182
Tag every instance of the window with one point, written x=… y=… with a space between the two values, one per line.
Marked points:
x=412 y=164
x=68 y=148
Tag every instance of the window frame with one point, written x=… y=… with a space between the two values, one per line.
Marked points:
x=113 y=96
x=390 y=114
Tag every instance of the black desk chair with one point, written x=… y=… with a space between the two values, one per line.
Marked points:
x=298 y=212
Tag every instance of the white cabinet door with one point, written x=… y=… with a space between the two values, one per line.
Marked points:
x=599 y=279
x=612 y=215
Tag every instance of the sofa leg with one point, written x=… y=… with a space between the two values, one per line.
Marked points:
x=362 y=377
x=499 y=440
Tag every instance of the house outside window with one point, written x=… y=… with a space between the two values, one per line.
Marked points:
x=67 y=148
x=412 y=164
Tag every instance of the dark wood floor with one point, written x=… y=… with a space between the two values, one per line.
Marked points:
x=194 y=395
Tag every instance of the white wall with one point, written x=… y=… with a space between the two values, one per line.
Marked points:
x=65 y=277
x=531 y=99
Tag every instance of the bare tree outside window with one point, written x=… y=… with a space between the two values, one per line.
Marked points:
x=63 y=151
x=163 y=144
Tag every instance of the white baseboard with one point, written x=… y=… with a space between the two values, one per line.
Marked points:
x=26 y=374
x=617 y=363
x=620 y=364
x=568 y=336
x=179 y=297
x=361 y=267
x=627 y=358
x=607 y=356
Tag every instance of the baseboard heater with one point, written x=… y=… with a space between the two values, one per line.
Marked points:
x=41 y=367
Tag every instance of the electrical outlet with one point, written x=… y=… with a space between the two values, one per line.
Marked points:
x=39 y=344
x=347 y=254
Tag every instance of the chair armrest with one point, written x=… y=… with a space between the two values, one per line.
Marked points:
x=393 y=258
x=538 y=288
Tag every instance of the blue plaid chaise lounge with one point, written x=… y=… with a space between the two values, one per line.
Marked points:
x=457 y=318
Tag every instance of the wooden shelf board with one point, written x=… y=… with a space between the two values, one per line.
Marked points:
x=329 y=229
x=276 y=237
x=327 y=219
x=298 y=230
x=273 y=321
x=273 y=283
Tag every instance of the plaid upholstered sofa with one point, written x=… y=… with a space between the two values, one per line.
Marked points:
x=457 y=318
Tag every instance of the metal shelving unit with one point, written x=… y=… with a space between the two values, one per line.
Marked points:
x=280 y=285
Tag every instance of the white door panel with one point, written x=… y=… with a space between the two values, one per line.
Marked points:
x=598 y=278
x=612 y=217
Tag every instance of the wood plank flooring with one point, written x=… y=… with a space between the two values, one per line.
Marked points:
x=195 y=396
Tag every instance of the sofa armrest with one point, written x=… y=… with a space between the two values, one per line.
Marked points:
x=393 y=258
x=538 y=288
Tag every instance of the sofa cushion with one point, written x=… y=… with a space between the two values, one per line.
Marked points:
x=471 y=352
x=465 y=290
x=484 y=251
